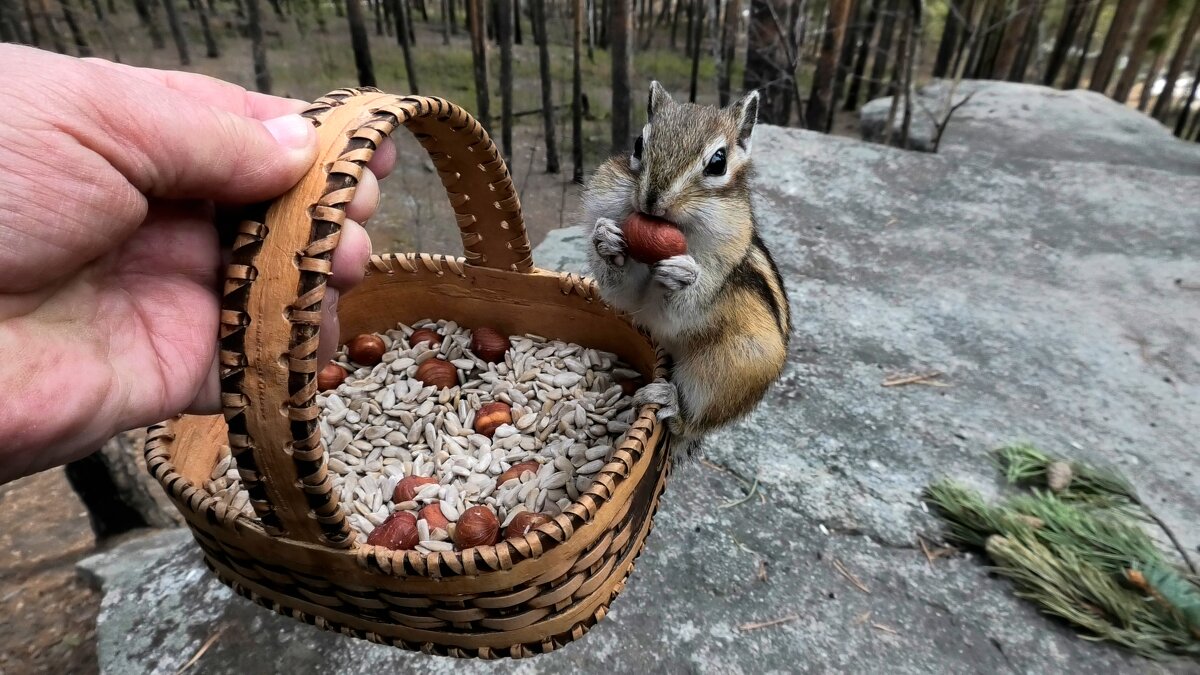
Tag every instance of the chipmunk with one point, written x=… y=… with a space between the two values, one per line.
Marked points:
x=720 y=311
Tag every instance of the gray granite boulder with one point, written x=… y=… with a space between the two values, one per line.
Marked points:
x=1031 y=121
x=1044 y=292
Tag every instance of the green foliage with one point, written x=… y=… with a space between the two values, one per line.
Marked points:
x=1077 y=551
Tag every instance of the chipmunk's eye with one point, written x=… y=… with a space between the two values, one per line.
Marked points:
x=716 y=164
x=637 y=149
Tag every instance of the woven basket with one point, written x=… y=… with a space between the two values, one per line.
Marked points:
x=521 y=597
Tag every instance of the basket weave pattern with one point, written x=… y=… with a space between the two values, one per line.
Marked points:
x=523 y=596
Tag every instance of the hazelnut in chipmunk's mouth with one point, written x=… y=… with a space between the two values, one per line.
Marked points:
x=650 y=239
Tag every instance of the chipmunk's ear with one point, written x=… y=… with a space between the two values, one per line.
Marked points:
x=659 y=99
x=745 y=114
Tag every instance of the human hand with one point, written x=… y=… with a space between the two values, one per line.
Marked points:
x=110 y=266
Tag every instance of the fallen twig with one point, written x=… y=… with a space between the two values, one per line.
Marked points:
x=766 y=624
x=200 y=652
x=886 y=629
x=837 y=564
x=743 y=500
x=927 y=379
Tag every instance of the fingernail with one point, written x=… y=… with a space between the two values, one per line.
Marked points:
x=292 y=131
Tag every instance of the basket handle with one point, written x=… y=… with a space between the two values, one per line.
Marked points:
x=271 y=308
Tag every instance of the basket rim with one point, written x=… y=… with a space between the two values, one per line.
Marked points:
x=637 y=446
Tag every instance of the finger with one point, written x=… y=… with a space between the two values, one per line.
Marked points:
x=350 y=257
x=211 y=91
x=384 y=159
x=366 y=199
x=163 y=142
x=330 y=328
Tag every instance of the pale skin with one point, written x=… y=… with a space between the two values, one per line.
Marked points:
x=110 y=266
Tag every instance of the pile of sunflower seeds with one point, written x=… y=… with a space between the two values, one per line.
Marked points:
x=382 y=424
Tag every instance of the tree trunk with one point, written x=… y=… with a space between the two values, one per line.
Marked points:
x=581 y=8
x=767 y=63
x=1077 y=73
x=450 y=9
x=98 y=10
x=118 y=494
x=1031 y=38
x=377 y=10
x=1114 y=42
x=992 y=23
x=447 y=22
x=1148 y=84
x=82 y=48
x=1010 y=42
x=542 y=38
x=405 y=7
x=275 y=5
x=1072 y=17
x=680 y=7
x=819 y=116
x=56 y=39
x=1181 y=123
x=35 y=37
x=1162 y=106
x=912 y=57
x=424 y=10
x=177 y=32
x=360 y=44
x=476 y=15
x=864 y=53
x=849 y=49
x=1146 y=28
x=319 y=12
x=402 y=25
x=517 y=22
x=258 y=48
x=621 y=33
x=506 y=77
x=146 y=18
x=882 y=50
x=211 y=49
x=950 y=38
x=729 y=35
x=698 y=10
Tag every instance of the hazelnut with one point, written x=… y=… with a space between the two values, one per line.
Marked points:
x=406 y=489
x=425 y=335
x=489 y=344
x=330 y=377
x=398 y=532
x=650 y=240
x=438 y=373
x=492 y=416
x=516 y=470
x=523 y=522
x=367 y=349
x=477 y=526
x=437 y=520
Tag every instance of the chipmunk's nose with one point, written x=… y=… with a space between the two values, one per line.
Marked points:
x=652 y=203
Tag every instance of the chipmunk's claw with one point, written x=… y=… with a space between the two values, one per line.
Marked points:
x=661 y=393
x=609 y=241
x=677 y=272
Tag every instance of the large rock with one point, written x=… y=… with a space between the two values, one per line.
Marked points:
x=1044 y=291
x=1032 y=121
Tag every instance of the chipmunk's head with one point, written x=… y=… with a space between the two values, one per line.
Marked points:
x=691 y=164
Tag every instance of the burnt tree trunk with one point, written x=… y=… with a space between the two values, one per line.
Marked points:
x=819 y=115
x=476 y=17
x=177 y=32
x=621 y=35
x=453 y=18
x=1148 y=84
x=883 y=49
x=698 y=10
x=542 y=38
x=258 y=48
x=1151 y=17
x=849 y=49
x=410 y=68
x=212 y=50
x=360 y=44
x=733 y=11
x=767 y=63
x=1114 y=42
x=405 y=7
x=1076 y=75
x=82 y=48
x=1028 y=41
x=950 y=37
x=1072 y=17
x=864 y=53
x=581 y=8
x=506 y=77
x=1010 y=42
x=118 y=494
x=1162 y=106
x=517 y=39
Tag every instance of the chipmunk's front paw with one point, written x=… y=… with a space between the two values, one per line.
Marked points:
x=609 y=241
x=677 y=272
x=661 y=393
